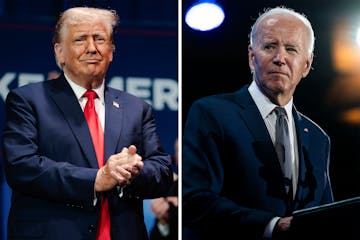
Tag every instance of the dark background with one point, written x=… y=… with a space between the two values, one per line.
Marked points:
x=217 y=62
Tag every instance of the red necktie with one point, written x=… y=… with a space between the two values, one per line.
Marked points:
x=97 y=135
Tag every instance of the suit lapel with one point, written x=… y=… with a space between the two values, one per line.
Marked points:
x=66 y=100
x=252 y=116
x=114 y=105
x=256 y=126
x=305 y=178
x=262 y=145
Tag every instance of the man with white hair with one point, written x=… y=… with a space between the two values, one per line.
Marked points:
x=250 y=158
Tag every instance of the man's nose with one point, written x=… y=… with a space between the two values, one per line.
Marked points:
x=91 y=46
x=279 y=58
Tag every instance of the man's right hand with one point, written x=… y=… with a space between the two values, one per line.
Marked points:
x=120 y=169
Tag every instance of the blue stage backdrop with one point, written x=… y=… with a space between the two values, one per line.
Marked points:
x=145 y=64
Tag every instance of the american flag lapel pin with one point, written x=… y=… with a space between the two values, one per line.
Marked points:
x=116 y=104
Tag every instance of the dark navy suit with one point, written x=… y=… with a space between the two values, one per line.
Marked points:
x=232 y=180
x=51 y=163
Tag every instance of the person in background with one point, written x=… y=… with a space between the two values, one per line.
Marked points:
x=53 y=74
x=80 y=156
x=165 y=209
x=241 y=178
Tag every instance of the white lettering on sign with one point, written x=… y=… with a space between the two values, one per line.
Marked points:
x=26 y=78
x=165 y=94
x=160 y=92
x=4 y=83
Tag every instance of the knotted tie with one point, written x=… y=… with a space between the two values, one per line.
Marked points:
x=283 y=147
x=97 y=136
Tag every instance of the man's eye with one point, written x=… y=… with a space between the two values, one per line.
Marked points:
x=79 y=40
x=269 y=47
x=291 y=49
x=100 y=39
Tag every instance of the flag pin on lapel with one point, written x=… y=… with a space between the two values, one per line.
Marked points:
x=116 y=104
x=306 y=130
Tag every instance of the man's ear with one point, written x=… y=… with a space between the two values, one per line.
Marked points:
x=251 y=57
x=59 y=53
x=307 y=66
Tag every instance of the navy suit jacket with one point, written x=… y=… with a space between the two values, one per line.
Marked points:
x=232 y=180
x=51 y=165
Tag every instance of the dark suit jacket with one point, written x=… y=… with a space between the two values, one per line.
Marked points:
x=232 y=179
x=51 y=163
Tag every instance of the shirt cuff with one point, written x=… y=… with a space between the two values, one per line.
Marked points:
x=164 y=229
x=270 y=228
x=95 y=198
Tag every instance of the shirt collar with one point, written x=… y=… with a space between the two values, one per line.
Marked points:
x=79 y=90
x=264 y=104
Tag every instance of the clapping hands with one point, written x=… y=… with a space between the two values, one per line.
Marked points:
x=120 y=169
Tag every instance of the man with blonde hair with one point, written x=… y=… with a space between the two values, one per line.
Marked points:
x=80 y=156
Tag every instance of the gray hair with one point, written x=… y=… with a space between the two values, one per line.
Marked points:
x=283 y=10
